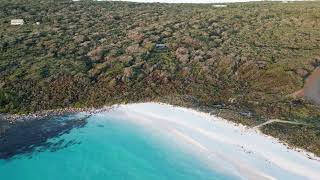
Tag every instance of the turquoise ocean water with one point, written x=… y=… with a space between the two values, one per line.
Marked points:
x=110 y=149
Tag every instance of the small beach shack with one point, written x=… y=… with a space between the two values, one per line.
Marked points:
x=15 y=22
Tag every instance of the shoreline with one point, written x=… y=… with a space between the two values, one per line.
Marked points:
x=209 y=116
x=216 y=140
x=13 y=118
x=248 y=151
x=217 y=111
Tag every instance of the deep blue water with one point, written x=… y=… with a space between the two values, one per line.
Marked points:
x=101 y=148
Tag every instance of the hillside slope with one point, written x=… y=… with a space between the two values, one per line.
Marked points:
x=246 y=58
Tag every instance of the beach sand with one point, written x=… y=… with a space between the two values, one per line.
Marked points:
x=232 y=148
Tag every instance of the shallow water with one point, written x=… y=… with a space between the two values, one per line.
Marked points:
x=103 y=147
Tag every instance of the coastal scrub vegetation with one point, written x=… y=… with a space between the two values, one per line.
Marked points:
x=246 y=57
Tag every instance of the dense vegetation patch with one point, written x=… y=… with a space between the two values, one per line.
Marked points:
x=298 y=135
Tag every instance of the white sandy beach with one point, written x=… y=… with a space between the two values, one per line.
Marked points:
x=232 y=148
